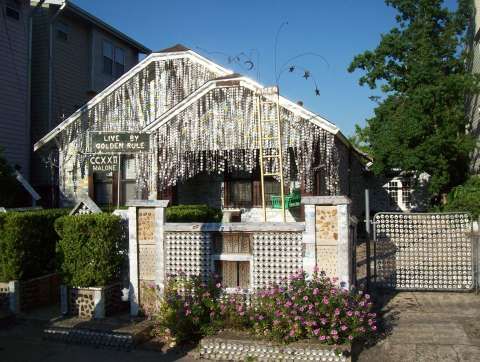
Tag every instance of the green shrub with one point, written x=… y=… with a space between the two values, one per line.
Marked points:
x=27 y=243
x=465 y=197
x=91 y=249
x=193 y=213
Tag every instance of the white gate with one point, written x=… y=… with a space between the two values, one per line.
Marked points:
x=423 y=251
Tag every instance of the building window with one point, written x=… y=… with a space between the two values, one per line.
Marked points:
x=62 y=31
x=119 y=62
x=128 y=182
x=107 y=57
x=392 y=190
x=407 y=193
x=12 y=13
x=103 y=188
x=113 y=60
x=234 y=274
x=240 y=193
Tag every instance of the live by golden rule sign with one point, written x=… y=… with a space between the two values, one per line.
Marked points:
x=120 y=142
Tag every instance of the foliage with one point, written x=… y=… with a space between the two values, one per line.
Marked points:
x=465 y=197
x=187 y=308
x=91 y=250
x=305 y=308
x=27 y=243
x=296 y=309
x=422 y=66
x=11 y=190
x=193 y=213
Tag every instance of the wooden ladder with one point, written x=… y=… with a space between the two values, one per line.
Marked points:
x=270 y=144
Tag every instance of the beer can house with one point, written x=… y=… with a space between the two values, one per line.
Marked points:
x=178 y=126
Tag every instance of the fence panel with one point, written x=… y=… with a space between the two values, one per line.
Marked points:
x=424 y=251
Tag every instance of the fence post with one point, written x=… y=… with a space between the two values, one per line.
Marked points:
x=327 y=230
x=134 y=239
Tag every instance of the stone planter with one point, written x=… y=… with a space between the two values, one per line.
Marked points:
x=92 y=302
x=24 y=295
x=238 y=346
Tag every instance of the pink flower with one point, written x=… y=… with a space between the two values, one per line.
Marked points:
x=188 y=312
x=292 y=333
x=316 y=331
x=374 y=328
x=334 y=332
x=343 y=328
x=337 y=311
x=350 y=338
x=218 y=285
x=305 y=298
x=322 y=338
x=349 y=313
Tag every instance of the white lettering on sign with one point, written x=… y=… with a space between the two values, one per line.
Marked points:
x=121 y=142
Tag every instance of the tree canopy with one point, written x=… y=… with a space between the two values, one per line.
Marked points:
x=422 y=68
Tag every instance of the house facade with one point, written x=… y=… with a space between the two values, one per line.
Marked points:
x=14 y=84
x=75 y=56
x=202 y=123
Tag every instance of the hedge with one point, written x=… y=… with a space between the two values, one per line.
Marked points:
x=465 y=198
x=27 y=243
x=91 y=249
x=193 y=213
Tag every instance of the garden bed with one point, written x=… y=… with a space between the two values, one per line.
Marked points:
x=240 y=346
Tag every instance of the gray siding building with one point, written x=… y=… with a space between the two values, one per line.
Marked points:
x=14 y=105
x=75 y=55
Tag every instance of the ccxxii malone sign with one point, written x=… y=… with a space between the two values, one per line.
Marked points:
x=120 y=142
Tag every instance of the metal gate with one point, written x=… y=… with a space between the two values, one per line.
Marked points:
x=423 y=251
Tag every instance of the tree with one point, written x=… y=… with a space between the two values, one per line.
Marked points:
x=422 y=68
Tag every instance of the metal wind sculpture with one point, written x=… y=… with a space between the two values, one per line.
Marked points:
x=215 y=134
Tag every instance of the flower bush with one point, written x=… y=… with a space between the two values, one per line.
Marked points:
x=188 y=308
x=302 y=308
x=295 y=309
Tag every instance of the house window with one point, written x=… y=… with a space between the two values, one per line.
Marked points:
x=107 y=57
x=119 y=62
x=62 y=31
x=113 y=59
x=392 y=190
x=103 y=188
x=129 y=180
x=407 y=193
x=234 y=274
x=240 y=193
x=12 y=13
x=272 y=188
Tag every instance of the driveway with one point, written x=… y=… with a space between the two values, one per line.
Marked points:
x=21 y=341
x=424 y=326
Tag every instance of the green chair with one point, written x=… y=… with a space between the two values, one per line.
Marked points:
x=291 y=200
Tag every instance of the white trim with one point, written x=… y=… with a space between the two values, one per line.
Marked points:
x=124 y=78
x=233 y=257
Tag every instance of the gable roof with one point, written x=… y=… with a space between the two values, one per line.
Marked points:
x=244 y=82
x=225 y=79
x=124 y=78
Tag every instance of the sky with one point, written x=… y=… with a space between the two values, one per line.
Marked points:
x=333 y=31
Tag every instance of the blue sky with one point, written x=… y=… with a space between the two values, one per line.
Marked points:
x=336 y=30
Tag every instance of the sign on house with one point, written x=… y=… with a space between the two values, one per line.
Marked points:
x=103 y=163
x=120 y=142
